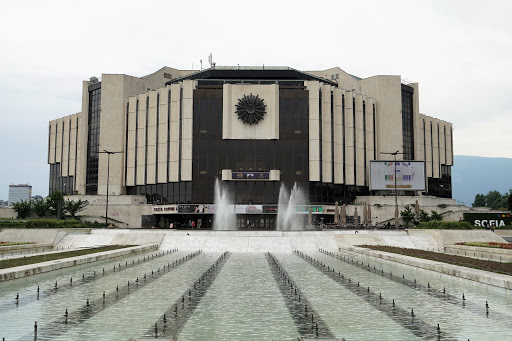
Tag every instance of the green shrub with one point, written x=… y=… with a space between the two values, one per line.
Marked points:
x=446 y=225
x=442 y=206
x=12 y=223
x=52 y=223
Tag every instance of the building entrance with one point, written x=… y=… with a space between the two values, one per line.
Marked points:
x=256 y=221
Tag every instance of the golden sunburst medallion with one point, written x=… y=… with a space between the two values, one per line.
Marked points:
x=250 y=109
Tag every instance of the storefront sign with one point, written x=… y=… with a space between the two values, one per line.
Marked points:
x=165 y=209
x=250 y=175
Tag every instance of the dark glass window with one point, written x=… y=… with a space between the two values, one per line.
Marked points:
x=64 y=184
x=407 y=122
x=93 y=141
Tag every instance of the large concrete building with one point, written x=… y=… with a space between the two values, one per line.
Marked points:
x=175 y=131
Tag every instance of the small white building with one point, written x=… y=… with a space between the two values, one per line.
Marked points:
x=20 y=192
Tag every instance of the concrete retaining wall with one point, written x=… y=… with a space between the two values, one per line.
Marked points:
x=47 y=236
x=495 y=254
x=33 y=269
x=451 y=237
x=485 y=277
x=24 y=247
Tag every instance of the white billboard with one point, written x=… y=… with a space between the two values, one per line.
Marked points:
x=410 y=175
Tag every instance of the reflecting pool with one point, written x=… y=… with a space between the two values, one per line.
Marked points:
x=248 y=296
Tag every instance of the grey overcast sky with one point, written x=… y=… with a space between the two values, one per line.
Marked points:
x=460 y=53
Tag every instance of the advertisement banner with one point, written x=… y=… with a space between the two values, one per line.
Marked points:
x=249 y=209
x=410 y=175
x=304 y=209
x=270 y=208
x=488 y=219
x=191 y=208
x=250 y=175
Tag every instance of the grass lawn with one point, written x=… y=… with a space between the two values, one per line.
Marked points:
x=9 y=263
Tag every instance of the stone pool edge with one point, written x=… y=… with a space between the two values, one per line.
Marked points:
x=37 y=268
x=480 y=276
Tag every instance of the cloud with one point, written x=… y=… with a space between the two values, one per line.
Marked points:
x=490 y=136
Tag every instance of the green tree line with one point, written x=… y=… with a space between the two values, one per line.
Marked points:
x=494 y=200
x=55 y=205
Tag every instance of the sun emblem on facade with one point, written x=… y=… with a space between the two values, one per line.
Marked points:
x=250 y=109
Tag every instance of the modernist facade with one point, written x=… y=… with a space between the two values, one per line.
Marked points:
x=175 y=131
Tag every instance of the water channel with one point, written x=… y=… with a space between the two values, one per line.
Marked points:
x=248 y=296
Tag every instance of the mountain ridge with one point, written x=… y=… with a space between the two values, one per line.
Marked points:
x=472 y=175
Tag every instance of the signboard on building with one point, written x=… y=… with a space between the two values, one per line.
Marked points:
x=410 y=175
x=304 y=209
x=250 y=175
x=191 y=208
x=249 y=209
x=488 y=219
x=165 y=209
x=270 y=208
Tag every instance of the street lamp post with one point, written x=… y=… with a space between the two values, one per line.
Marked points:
x=108 y=178
x=394 y=170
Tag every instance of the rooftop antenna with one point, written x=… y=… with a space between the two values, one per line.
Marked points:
x=201 y=61
x=210 y=60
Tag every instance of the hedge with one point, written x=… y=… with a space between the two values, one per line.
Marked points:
x=446 y=225
x=12 y=223
x=52 y=223
x=48 y=223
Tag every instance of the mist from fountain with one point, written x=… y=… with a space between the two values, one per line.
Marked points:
x=287 y=216
x=224 y=217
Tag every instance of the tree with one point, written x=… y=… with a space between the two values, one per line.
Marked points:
x=40 y=207
x=436 y=216
x=407 y=215
x=479 y=201
x=493 y=199
x=424 y=216
x=55 y=203
x=73 y=207
x=23 y=208
x=510 y=200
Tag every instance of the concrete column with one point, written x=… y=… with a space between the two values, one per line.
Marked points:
x=326 y=134
x=370 y=143
x=428 y=146
x=442 y=145
x=64 y=167
x=151 y=146
x=359 y=141
x=83 y=138
x=58 y=143
x=175 y=132
x=163 y=135
x=187 y=118
x=131 y=147
x=51 y=149
x=72 y=145
x=435 y=157
x=449 y=147
x=141 y=141
x=338 y=137
x=314 y=130
x=349 y=139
